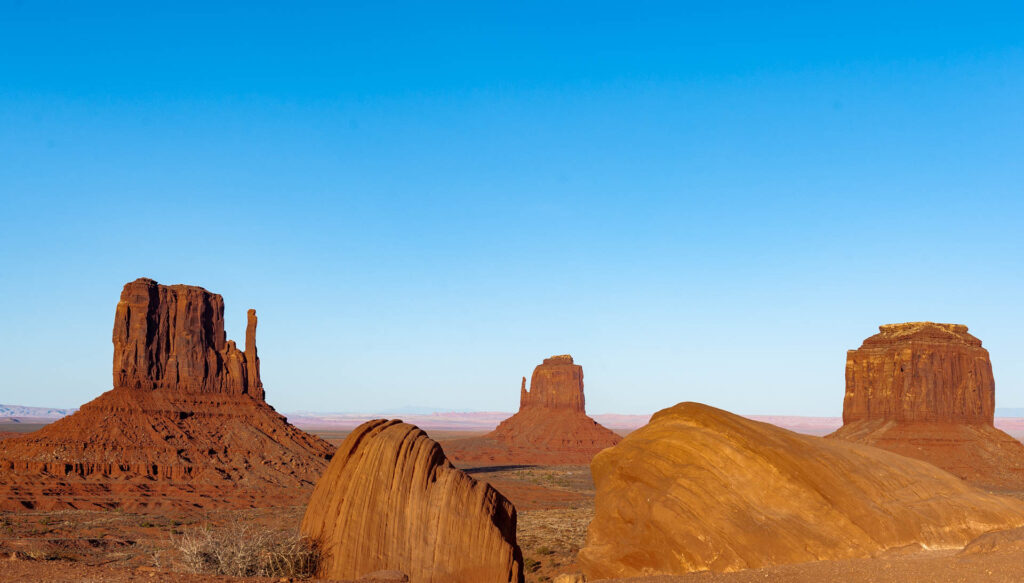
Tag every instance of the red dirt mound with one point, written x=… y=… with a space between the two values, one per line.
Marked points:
x=391 y=500
x=551 y=427
x=186 y=424
x=926 y=390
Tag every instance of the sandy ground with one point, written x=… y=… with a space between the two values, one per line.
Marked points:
x=930 y=567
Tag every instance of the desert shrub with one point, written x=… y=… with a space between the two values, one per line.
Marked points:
x=243 y=550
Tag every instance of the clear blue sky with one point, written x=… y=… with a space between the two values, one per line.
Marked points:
x=424 y=200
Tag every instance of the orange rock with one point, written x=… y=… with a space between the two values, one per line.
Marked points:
x=699 y=488
x=920 y=371
x=390 y=500
x=551 y=427
x=186 y=424
x=926 y=390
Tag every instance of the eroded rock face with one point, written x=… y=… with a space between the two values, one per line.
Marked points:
x=699 y=488
x=557 y=383
x=920 y=371
x=390 y=500
x=551 y=427
x=172 y=336
x=185 y=426
x=926 y=391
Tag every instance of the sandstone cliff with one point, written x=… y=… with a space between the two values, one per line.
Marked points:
x=551 y=427
x=699 y=488
x=186 y=424
x=920 y=371
x=391 y=500
x=172 y=336
x=926 y=390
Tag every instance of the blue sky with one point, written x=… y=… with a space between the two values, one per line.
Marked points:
x=424 y=200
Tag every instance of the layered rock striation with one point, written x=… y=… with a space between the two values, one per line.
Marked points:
x=186 y=424
x=920 y=371
x=551 y=427
x=926 y=390
x=699 y=488
x=391 y=500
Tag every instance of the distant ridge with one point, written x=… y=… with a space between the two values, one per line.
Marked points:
x=35 y=412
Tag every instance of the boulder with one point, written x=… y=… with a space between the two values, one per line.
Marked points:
x=699 y=488
x=391 y=500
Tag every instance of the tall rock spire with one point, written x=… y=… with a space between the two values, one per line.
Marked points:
x=254 y=385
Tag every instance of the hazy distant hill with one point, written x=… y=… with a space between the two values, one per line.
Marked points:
x=20 y=412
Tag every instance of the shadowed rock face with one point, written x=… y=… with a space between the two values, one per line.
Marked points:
x=699 y=488
x=185 y=426
x=390 y=500
x=920 y=371
x=172 y=336
x=551 y=427
x=926 y=391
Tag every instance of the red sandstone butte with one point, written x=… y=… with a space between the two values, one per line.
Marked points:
x=551 y=427
x=391 y=500
x=185 y=426
x=926 y=390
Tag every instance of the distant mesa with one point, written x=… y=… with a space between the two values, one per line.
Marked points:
x=186 y=424
x=699 y=488
x=551 y=427
x=391 y=500
x=926 y=390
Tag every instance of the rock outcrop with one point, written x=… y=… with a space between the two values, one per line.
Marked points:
x=186 y=424
x=920 y=371
x=699 y=488
x=926 y=390
x=172 y=336
x=551 y=427
x=391 y=500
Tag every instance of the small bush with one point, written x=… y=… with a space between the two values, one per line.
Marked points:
x=242 y=550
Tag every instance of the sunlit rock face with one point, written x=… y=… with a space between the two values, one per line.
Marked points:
x=926 y=390
x=920 y=371
x=699 y=489
x=390 y=500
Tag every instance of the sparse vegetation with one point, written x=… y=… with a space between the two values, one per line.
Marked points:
x=243 y=550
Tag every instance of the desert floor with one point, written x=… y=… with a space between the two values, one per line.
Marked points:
x=555 y=506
